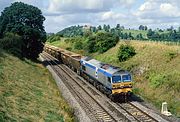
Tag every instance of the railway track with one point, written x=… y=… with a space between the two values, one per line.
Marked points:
x=89 y=100
x=136 y=112
x=95 y=110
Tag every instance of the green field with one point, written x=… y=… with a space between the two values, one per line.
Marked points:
x=136 y=32
x=29 y=93
x=155 y=69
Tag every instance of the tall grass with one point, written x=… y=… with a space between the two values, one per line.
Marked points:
x=28 y=93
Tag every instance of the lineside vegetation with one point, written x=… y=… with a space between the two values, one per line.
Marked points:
x=29 y=93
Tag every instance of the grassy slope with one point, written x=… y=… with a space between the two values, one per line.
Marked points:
x=156 y=73
x=28 y=93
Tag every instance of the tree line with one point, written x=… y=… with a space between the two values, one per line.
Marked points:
x=170 y=34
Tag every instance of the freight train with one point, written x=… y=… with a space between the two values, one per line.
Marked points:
x=116 y=83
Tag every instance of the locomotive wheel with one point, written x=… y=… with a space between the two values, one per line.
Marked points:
x=78 y=72
x=94 y=84
x=111 y=97
x=98 y=87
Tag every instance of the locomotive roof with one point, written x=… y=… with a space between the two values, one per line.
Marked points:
x=107 y=67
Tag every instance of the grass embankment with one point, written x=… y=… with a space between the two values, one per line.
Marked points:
x=29 y=93
x=155 y=69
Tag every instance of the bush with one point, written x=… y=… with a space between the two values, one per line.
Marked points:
x=91 y=44
x=105 y=41
x=125 y=52
x=101 y=42
x=12 y=43
x=157 y=80
x=53 y=38
x=78 y=45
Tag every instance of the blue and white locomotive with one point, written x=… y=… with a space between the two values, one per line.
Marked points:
x=109 y=79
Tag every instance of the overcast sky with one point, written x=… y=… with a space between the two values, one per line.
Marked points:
x=129 y=13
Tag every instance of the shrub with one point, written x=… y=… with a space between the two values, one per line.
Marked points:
x=69 y=48
x=12 y=43
x=105 y=41
x=78 y=45
x=53 y=38
x=91 y=44
x=125 y=52
x=157 y=80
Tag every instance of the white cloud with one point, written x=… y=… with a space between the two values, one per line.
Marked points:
x=127 y=3
x=110 y=15
x=72 y=6
x=130 y=13
x=169 y=10
x=158 y=13
x=147 y=6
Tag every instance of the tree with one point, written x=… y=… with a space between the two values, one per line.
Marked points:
x=118 y=26
x=105 y=41
x=99 y=27
x=125 y=36
x=26 y=21
x=130 y=36
x=139 y=36
x=108 y=27
x=141 y=27
x=125 y=52
x=104 y=27
x=91 y=44
x=12 y=43
x=145 y=27
x=178 y=29
x=150 y=33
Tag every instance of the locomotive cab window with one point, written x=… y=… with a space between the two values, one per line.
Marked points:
x=126 y=78
x=116 y=79
x=83 y=68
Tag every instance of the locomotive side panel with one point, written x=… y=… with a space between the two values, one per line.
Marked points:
x=90 y=70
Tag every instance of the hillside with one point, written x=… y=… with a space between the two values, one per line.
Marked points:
x=28 y=92
x=155 y=69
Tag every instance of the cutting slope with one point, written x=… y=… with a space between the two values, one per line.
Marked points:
x=156 y=70
x=28 y=92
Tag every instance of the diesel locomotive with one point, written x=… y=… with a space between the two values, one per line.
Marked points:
x=113 y=81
